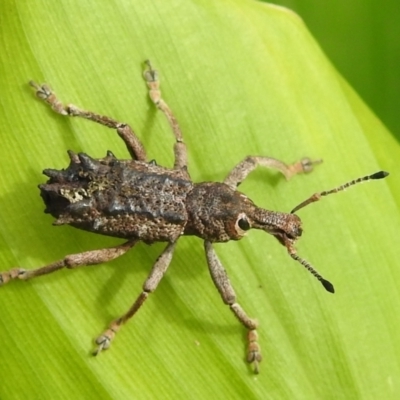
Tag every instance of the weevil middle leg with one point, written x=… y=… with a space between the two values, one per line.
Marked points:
x=149 y=286
x=151 y=77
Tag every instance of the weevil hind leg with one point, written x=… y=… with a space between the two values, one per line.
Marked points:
x=240 y=172
x=71 y=261
x=132 y=142
x=225 y=289
x=159 y=268
x=151 y=77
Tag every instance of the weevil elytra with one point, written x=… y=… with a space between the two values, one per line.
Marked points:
x=138 y=200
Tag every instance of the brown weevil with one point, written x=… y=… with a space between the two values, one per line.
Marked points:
x=138 y=200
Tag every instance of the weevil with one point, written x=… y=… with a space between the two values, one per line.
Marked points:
x=138 y=200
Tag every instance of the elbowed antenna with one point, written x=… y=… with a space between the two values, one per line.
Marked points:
x=326 y=284
x=292 y=252
x=317 y=196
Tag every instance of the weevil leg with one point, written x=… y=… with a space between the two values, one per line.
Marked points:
x=70 y=261
x=225 y=289
x=153 y=83
x=241 y=170
x=132 y=142
x=149 y=286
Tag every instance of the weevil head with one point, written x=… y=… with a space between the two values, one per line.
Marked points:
x=218 y=213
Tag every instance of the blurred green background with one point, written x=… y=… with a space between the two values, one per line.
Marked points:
x=362 y=39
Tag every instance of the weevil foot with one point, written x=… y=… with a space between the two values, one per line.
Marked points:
x=105 y=339
x=14 y=273
x=305 y=165
x=103 y=342
x=151 y=77
x=43 y=92
x=150 y=74
x=253 y=351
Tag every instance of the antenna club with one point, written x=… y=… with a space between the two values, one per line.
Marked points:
x=379 y=175
x=328 y=286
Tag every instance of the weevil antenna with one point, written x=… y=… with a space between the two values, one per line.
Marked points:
x=317 y=196
x=326 y=284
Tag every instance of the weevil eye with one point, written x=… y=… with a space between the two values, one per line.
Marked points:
x=242 y=222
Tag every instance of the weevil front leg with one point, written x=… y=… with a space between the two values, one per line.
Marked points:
x=241 y=170
x=71 y=261
x=149 y=286
x=225 y=289
x=132 y=142
x=153 y=83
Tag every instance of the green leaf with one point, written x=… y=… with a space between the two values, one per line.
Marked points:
x=356 y=38
x=242 y=78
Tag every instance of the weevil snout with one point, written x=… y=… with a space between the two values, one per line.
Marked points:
x=282 y=225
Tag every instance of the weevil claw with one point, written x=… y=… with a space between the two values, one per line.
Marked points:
x=14 y=273
x=105 y=339
x=253 y=351
x=103 y=342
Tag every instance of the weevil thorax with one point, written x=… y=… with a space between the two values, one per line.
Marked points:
x=218 y=213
